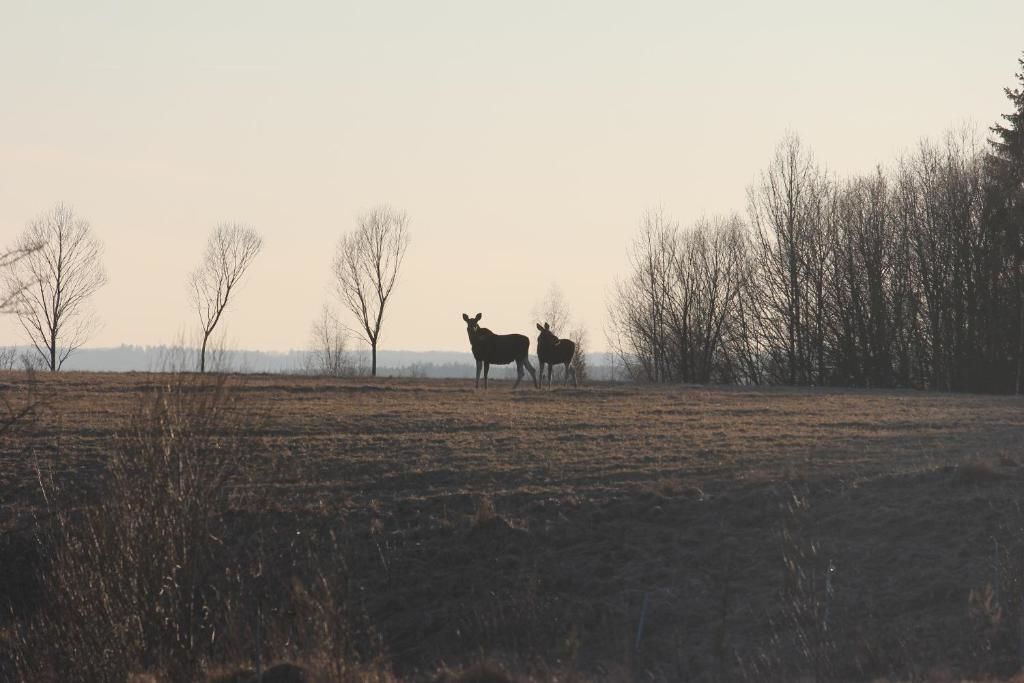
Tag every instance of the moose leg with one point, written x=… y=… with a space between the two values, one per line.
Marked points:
x=519 y=373
x=487 y=369
x=479 y=365
x=551 y=368
x=529 y=367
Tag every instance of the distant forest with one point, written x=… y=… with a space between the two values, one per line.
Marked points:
x=909 y=276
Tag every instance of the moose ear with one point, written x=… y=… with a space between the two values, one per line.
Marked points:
x=465 y=317
x=546 y=326
x=478 y=316
x=539 y=327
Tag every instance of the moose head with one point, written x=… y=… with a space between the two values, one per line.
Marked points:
x=472 y=324
x=546 y=335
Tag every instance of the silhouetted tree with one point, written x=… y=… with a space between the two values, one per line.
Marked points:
x=49 y=277
x=675 y=318
x=1005 y=211
x=229 y=253
x=12 y=290
x=366 y=266
x=638 y=312
x=788 y=209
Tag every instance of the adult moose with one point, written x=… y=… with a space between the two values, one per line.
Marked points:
x=554 y=351
x=500 y=349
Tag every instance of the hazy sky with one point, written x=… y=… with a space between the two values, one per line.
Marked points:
x=523 y=139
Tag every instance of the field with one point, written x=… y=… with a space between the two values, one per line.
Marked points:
x=615 y=532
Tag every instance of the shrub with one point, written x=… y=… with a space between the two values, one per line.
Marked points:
x=134 y=576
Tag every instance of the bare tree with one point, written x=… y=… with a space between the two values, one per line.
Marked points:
x=710 y=263
x=11 y=295
x=578 y=335
x=787 y=209
x=639 y=309
x=366 y=267
x=229 y=253
x=328 y=355
x=49 y=277
x=678 y=316
x=554 y=310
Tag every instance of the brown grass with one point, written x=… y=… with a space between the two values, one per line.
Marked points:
x=717 y=514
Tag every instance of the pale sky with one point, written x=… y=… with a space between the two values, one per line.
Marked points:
x=523 y=139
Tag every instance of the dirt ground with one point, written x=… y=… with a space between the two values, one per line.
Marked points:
x=649 y=533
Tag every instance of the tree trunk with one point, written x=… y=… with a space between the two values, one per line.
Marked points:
x=202 y=355
x=1020 y=331
x=373 y=363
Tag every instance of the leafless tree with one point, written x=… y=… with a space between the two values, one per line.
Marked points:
x=9 y=298
x=554 y=310
x=788 y=206
x=229 y=253
x=366 y=266
x=638 y=312
x=328 y=354
x=49 y=277
x=578 y=335
x=678 y=316
x=710 y=264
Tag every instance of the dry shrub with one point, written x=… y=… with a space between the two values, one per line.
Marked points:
x=180 y=563
x=134 y=576
x=805 y=627
x=486 y=513
x=977 y=472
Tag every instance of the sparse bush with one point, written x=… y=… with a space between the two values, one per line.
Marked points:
x=131 y=583
x=328 y=351
x=579 y=359
x=31 y=362
x=8 y=357
x=174 y=564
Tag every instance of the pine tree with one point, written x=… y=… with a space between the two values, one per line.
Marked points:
x=1005 y=211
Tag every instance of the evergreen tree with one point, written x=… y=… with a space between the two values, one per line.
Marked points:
x=1007 y=155
x=1005 y=209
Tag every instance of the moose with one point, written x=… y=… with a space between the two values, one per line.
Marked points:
x=500 y=349
x=554 y=351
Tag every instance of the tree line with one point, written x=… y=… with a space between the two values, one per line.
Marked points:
x=55 y=267
x=908 y=276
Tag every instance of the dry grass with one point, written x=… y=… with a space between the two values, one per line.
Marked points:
x=647 y=532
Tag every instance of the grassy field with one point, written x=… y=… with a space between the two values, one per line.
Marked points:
x=618 y=532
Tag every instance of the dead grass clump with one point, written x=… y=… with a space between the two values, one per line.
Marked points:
x=668 y=488
x=976 y=472
x=279 y=673
x=486 y=514
x=484 y=672
x=674 y=487
x=1007 y=460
